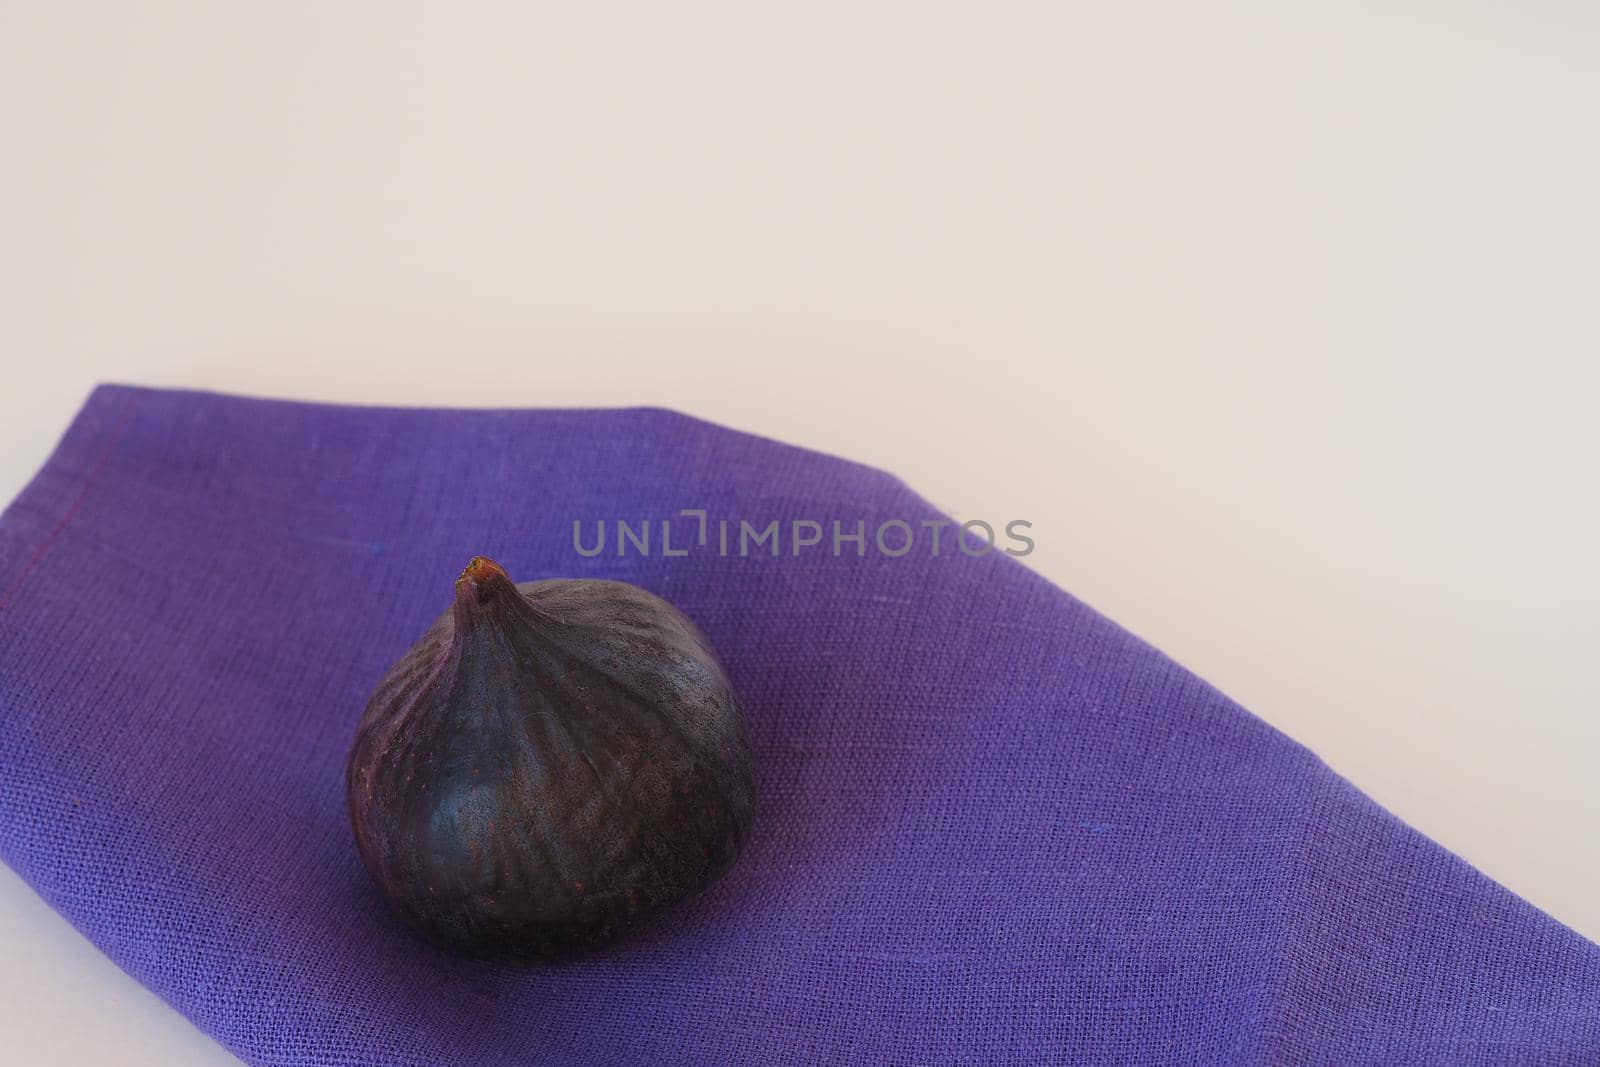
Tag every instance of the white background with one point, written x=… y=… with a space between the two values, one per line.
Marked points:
x=1278 y=320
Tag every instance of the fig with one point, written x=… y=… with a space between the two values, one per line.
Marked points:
x=552 y=764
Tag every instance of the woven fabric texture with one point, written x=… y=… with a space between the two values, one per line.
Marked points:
x=994 y=826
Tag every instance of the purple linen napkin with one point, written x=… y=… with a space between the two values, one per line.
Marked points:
x=995 y=827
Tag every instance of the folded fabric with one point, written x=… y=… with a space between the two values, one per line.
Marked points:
x=994 y=826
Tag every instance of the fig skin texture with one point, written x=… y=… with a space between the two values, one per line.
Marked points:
x=553 y=763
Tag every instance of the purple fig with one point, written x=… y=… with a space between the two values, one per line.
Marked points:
x=552 y=763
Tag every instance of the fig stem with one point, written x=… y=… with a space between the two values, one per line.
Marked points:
x=482 y=581
x=481 y=568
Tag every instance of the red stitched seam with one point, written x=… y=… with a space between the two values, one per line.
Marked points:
x=72 y=512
